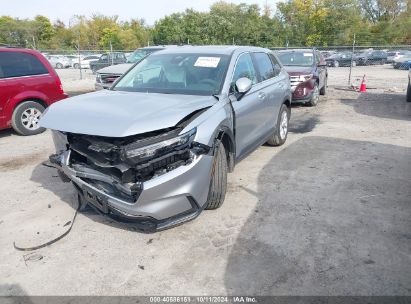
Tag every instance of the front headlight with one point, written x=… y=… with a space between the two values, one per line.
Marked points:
x=138 y=154
x=98 y=77
x=306 y=77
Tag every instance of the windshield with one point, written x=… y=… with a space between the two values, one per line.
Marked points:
x=188 y=74
x=138 y=55
x=293 y=58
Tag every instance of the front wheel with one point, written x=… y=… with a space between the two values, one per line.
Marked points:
x=218 y=182
x=324 y=88
x=316 y=96
x=281 y=131
x=59 y=65
x=26 y=117
x=76 y=66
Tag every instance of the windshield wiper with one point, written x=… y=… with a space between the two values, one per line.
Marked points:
x=216 y=96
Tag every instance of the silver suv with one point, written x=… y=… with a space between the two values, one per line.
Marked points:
x=155 y=149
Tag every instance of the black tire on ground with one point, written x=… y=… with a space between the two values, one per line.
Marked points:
x=315 y=98
x=278 y=138
x=323 y=90
x=218 y=182
x=409 y=92
x=20 y=114
x=59 y=65
x=75 y=65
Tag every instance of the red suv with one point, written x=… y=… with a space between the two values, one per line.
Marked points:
x=28 y=85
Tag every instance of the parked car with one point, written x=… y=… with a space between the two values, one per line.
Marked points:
x=85 y=61
x=308 y=74
x=74 y=60
x=327 y=54
x=59 y=61
x=372 y=57
x=409 y=86
x=106 y=60
x=155 y=149
x=394 y=55
x=28 y=85
x=341 y=59
x=105 y=77
x=401 y=63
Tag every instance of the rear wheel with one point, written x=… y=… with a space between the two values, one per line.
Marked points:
x=316 y=96
x=76 y=66
x=59 y=65
x=26 y=117
x=281 y=131
x=218 y=183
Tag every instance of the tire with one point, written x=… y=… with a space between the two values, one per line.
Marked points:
x=409 y=92
x=323 y=90
x=59 y=65
x=218 y=182
x=281 y=131
x=336 y=64
x=316 y=96
x=76 y=66
x=25 y=118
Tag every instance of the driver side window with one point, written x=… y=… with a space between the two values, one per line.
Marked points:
x=244 y=68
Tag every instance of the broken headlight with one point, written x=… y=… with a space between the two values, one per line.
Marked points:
x=139 y=154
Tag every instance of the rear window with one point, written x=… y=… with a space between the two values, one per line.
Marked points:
x=15 y=64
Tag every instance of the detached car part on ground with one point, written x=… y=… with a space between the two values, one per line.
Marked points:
x=155 y=149
x=308 y=74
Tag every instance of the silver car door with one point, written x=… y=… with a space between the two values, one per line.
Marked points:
x=250 y=110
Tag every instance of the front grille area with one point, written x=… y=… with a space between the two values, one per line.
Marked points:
x=108 y=78
x=106 y=156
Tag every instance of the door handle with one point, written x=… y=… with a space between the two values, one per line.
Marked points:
x=261 y=95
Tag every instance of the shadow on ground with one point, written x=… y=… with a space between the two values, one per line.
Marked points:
x=48 y=178
x=6 y=133
x=333 y=218
x=383 y=105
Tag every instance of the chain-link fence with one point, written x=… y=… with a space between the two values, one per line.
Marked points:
x=381 y=67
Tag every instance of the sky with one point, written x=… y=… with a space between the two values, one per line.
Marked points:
x=150 y=10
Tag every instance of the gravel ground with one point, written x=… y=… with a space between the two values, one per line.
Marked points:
x=328 y=213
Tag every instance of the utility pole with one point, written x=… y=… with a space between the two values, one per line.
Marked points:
x=111 y=53
x=352 y=56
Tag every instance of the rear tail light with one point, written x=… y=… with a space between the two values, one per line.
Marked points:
x=59 y=86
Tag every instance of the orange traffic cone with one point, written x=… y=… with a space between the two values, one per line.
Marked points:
x=363 y=86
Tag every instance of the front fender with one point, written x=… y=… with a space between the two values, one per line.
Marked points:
x=209 y=124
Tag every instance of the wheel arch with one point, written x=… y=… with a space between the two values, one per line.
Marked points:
x=226 y=137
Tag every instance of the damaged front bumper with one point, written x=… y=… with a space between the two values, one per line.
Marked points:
x=160 y=202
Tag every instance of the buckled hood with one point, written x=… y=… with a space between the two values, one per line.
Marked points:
x=120 y=114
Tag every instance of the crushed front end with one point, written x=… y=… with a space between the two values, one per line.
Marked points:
x=155 y=180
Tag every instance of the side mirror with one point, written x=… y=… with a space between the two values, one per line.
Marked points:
x=243 y=85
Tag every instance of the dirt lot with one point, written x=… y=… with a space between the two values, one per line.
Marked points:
x=328 y=213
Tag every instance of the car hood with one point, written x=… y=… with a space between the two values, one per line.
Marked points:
x=116 y=69
x=119 y=114
x=298 y=70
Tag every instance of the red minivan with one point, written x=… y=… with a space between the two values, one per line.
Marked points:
x=28 y=85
